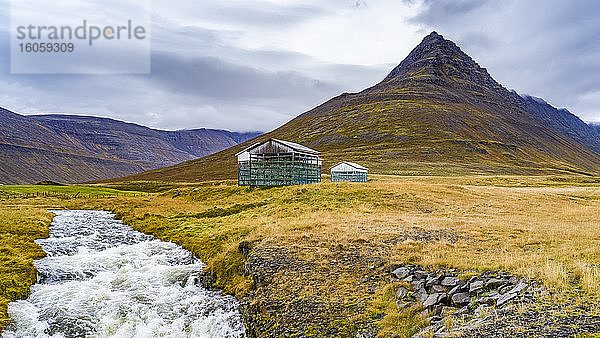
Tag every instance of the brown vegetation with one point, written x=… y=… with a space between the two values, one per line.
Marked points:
x=317 y=243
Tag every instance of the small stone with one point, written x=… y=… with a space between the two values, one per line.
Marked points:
x=486 y=300
x=419 y=274
x=434 y=299
x=401 y=273
x=454 y=290
x=519 y=288
x=437 y=288
x=430 y=301
x=401 y=304
x=420 y=295
x=462 y=310
x=437 y=327
x=494 y=283
x=493 y=294
x=448 y=310
x=437 y=309
x=476 y=287
x=450 y=281
x=401 y=293
x=408 y=279
x=505 y=298
x=505 y=288
x=440 y=333
x=417 y=284
x=435 y=318
x=460 y=299
x=432 y=280
x=474 y=323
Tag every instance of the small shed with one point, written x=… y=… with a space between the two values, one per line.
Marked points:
x=276 y=162
x=348 y=172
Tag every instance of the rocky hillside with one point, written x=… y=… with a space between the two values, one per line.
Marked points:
x=68 y=148
x=437 y=112
x=565 y=122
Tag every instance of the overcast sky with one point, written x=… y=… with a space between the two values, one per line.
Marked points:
x=254 y=65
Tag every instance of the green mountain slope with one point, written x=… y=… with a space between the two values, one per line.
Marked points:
x=437 y=112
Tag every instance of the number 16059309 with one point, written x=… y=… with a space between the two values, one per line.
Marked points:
x=47 y=47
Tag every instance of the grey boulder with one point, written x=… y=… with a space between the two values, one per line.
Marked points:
x=494 y=283
x=450 y=281
x=420 y=295
x=476 y=287
x=401 y=273
x=401 y=293
x=460 y=299
x=505 y=298
x=434 y=299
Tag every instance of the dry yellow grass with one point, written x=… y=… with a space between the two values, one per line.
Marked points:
x=543 y=227
x=19 y=227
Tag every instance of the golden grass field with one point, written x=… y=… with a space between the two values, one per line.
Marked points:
x=542 y=227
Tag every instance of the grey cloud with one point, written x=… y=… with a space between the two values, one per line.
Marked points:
x=545 y=48
x=446 y=10
x=202 y=77
x=266 y=15
x=215 y=78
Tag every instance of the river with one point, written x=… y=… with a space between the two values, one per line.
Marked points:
x=103 y=279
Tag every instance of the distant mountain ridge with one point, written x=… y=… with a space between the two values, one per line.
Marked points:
x=72 y=148
x=438 y=112
x=564 y=121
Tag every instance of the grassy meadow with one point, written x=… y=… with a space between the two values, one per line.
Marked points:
x=542 y=227
x=20 y=191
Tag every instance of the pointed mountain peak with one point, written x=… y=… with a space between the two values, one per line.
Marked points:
x=440 y=61
x=433 y=36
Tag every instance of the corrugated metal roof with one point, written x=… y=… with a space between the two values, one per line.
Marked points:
x=352 y=164
x=294 y=146
x=297 y=146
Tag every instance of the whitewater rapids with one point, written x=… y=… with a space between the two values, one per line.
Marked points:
x=103 y=279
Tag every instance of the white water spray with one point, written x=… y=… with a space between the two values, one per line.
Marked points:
x=102 y=279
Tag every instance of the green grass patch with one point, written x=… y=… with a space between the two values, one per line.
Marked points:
x=222 y=212
x=67 y=190
x=403 y=322
x=19 y=227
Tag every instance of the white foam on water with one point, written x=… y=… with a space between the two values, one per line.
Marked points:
x=126 y=285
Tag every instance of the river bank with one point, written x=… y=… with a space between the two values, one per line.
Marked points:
x=102 y=278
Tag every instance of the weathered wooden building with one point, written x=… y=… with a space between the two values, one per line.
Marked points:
x=276 y=162
x=348 y=172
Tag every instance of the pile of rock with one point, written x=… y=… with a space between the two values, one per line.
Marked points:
x=468 y=300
